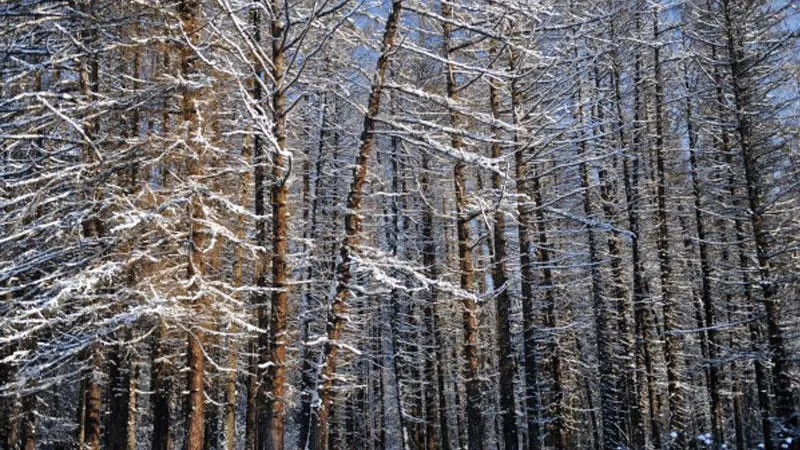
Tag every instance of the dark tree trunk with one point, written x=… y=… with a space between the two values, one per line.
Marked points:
x=505 y=356
x=673 y=351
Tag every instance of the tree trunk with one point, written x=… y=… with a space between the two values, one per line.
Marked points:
x=505 y=355
x=190 y=12
x=781 y=359
x=709 y=338
x=557 y=430
x=119 y=396
x=475 y=425
x=673 y=351
x=532 y=404
x=605 y=349
x=93 y=413
x=160 y=385
x=435 y=401
x=276 y=373
x=642 y=310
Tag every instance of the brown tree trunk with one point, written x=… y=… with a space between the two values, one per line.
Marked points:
x=190 y=13
x=475 y=426
x=337 y=308
x=276 y=373
x=93 y=413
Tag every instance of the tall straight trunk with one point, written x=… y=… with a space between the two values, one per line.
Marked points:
x=762 y=385
x=160 y=369
x=93 y=228
x=92 y=412
x=399 y=369
x=505 y=350
x=28 y=424
x=237 y=279
x=276 y=372
x=335 y=320
x=307 y=370
x=257 y=393
x=475 y=425
x=524 y=219
x=627 y=417
x=195 y=405
x=710 y=337
x=190 y=13
x=642 y=311
x=557 y=429
x=435 y=396
x=605 y=348
x=781 y=358
x=673 y=351
x=133 y=405
x=119 y=374
x=630 y=414
x=161 y=386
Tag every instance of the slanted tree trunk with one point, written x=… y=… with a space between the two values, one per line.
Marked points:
x=335 y=321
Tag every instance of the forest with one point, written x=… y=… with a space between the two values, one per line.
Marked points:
x=399 y=224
